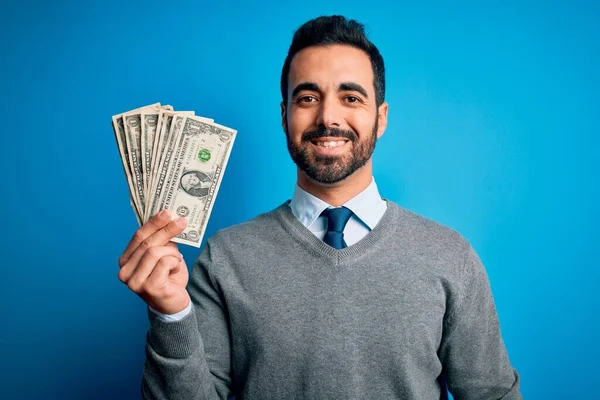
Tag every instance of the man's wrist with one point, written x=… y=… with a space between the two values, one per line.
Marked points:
x=173 y=317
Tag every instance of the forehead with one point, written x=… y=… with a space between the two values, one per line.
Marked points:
x=330 y=65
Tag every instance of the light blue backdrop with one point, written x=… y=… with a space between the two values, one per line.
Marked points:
x=493 y=130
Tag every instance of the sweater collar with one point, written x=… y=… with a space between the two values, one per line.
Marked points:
x=385 y=229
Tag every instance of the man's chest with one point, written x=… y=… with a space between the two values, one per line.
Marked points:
x=345 y=313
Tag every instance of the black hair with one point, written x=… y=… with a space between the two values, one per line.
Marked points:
x=336 y=29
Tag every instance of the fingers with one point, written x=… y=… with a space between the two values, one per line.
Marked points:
x=159 y=238
x=134 y=273
x=146 y=236
x=171 y=244
x=168 y=232
x=155 y=223
x=157 y=283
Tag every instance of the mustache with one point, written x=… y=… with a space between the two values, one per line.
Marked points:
x=321 y=132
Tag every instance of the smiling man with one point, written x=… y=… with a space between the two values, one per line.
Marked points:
x=336 y=294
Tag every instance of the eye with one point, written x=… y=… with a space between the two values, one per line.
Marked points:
x=352 y=99
x=307 y=99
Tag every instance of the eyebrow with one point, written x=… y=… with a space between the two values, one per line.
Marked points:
x=343 y=87
x=352 y=87
x=310 y=86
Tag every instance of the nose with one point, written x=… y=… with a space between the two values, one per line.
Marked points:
x=330 y=113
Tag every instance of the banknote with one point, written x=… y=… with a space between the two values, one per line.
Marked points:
x=162 y=117
x=161 y=140
x=149 y=121
x=120 y=136
x=173 y=160
x=132 y=135
x=196 y=171
x=163 y=167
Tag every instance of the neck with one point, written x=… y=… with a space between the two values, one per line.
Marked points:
x=337 y=194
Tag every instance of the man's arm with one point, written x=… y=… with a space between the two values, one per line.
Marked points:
x=172 y=317
x=472 y=351
x=191 y=358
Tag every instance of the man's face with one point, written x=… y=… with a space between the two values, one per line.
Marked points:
x=192 y=180
x=331 y=120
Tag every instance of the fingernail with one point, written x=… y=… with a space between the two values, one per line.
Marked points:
x=181 y=256
x=163 y=214
x=180 y=222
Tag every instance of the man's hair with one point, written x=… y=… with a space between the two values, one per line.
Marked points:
x=336 y=29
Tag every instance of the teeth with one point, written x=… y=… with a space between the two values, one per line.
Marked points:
x=331 y=144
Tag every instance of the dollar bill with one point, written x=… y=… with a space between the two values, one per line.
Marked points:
x=155 y=150
x=164 y=150
x=121 y=143
x=120 y=136
x=196 y=173
x=164 y=172
x=132 y=135
x=161 y=138
x=149 y=121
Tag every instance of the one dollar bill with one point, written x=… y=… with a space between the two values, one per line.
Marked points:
x=196 y=173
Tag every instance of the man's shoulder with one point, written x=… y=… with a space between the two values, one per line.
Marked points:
x=426 y=231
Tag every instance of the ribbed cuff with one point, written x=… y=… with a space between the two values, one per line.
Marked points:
x=178 y=339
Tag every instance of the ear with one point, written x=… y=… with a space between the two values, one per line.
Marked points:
x=283 y=117
x=382 y=118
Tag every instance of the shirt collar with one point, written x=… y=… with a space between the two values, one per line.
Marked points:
x=306 y=207
x=368 y=206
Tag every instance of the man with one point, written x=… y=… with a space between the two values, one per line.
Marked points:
x=336 y=294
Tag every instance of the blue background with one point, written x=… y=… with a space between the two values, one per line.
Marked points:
x=493 y=130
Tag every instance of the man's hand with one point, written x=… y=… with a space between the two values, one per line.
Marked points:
x=152 y=267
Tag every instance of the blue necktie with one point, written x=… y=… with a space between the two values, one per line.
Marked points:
x=337 y=218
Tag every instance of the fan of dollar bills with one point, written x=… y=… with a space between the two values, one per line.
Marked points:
x=173 y=160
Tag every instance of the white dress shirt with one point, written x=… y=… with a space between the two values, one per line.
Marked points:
x=367 y=207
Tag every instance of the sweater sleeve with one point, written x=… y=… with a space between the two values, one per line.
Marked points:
x=472 y=351
x=190 y=358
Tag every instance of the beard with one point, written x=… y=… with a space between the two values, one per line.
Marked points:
x=331 y=169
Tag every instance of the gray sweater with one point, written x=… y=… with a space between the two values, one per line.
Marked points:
x=278 y=314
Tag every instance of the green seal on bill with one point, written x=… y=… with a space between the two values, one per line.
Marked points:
x=204 y=155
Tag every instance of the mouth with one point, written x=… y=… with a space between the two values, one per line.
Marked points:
x=330 y=146
x=329 y=142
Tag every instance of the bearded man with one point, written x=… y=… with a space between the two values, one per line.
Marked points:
x=335 y=294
